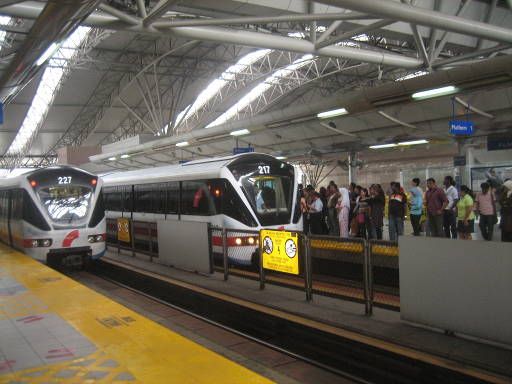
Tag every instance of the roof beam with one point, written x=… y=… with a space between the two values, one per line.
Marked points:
x=488 y=17
x=421 y=16
x=159 y=10
x=355 y=32
x=444 y=38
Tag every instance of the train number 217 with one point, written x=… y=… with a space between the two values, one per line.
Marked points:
x=264 y=169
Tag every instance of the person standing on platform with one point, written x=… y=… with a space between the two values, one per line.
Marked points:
x=396 y=212
x=449 y=222
x=485 y=206
x=506 y=211
x=334 y=227
x=416 y=206
x=436 y=203
x=343 y=207
x=304 y=208
x=465 y=214
x=316 y=208
x=377 y=204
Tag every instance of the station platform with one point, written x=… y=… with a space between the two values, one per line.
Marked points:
x=53 y=329
x=477 y=359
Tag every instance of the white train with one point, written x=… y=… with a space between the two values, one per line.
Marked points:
x=55 y=215
x=246 y=192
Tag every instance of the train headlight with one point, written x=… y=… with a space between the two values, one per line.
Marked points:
x=35 y=243
x=99 y=238
x=238 y=241
x=46 y=243
x=91 y=239
x=250 y=240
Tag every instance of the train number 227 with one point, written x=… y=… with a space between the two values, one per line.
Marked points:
x=64 y=180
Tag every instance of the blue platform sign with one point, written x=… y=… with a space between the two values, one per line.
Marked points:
x=461 y=127
x=239 y=150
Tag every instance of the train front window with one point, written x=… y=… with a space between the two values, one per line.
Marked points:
x=268 y=187
x=66 y=204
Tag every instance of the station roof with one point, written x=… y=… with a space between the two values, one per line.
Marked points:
x=195 y=73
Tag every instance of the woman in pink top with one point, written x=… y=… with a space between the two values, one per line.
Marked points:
x=485 y=206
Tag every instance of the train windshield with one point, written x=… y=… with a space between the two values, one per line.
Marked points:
x=66 y=204
x=268 y=186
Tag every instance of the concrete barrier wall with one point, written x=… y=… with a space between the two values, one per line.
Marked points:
x=461 y=286
x=184 y=244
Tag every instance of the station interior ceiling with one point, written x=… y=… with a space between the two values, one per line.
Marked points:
x=194 y=72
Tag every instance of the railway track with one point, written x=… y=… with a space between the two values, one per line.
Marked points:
x=356 y=358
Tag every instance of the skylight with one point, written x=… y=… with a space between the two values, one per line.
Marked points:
x=4 y=20
x=47 y=89
x=261 y=88
x=216 y=85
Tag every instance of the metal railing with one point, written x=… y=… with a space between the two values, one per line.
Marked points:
x=355 y=269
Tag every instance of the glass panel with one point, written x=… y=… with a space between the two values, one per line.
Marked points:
x=198 y=199
x=66 y=204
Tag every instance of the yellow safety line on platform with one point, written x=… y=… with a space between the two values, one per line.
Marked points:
x=150 y=352
x=426 y=357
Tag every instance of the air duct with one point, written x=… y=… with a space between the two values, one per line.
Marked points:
x=56 y=22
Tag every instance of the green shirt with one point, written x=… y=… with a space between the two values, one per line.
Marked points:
x=463 y=205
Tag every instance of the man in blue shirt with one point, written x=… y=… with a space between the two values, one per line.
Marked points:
x=416 y=206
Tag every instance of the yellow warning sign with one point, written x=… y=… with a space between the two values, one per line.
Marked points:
x=280 y=251
x=123 y=230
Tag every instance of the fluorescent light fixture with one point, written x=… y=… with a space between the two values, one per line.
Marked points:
x=332 y=113
x=240 y=132
x=413 y=142
x=381 y=146
x=182 y=144
x=125 y=156
x=113 y=158
x=281 y=157
x=434 y=92
x=47 y=54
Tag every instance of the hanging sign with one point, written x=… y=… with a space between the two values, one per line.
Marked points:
x=239 y=150
x=461 y=127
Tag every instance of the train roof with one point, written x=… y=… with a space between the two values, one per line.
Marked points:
x=15 y=180
x=204 y=168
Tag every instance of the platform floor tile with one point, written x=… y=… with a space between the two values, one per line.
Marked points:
x=53 y=329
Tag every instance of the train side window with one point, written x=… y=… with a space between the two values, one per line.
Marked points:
x=99 y=211
x=233 y=206
x=127 y=198
x=173 y=196
x=31 y=213
x=112 y=199
x=196 y=198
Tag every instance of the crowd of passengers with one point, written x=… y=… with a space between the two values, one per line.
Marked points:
x=445 y=211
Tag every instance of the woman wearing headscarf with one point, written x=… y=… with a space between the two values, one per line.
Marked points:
x=506 y=212
x=343 y=207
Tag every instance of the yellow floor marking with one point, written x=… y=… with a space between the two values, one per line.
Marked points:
x=150 y=352
x=333 y=329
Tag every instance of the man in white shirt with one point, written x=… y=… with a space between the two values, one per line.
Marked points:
x=449 y=218
x=315 y=209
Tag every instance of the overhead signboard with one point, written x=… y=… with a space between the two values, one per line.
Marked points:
x=459 y=161
x=496 y=143
x=280 y=251
x=461 y=127
x=239 y=150
x=123 y=230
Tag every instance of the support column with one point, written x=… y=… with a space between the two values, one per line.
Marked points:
x=352 y=169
